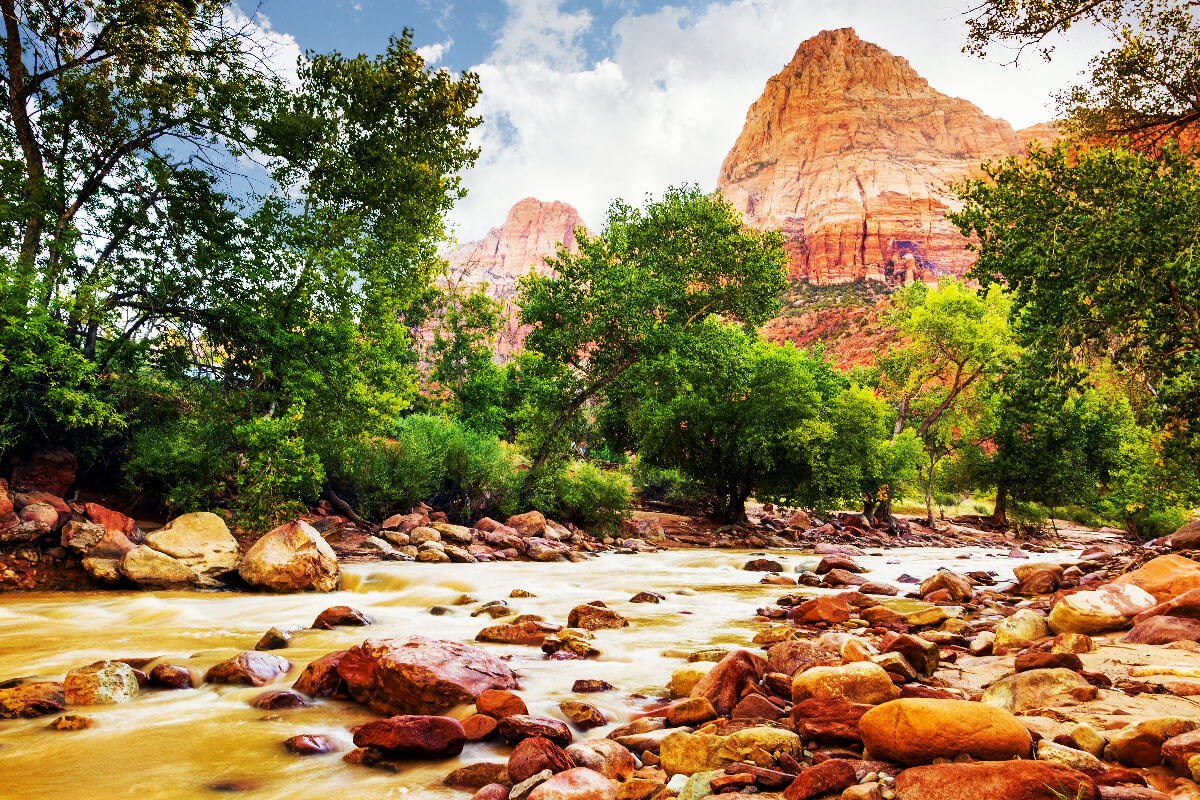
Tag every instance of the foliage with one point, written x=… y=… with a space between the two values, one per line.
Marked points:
x=637 y=289
x=582 y=493
x=653 y=483
x=1142 y=87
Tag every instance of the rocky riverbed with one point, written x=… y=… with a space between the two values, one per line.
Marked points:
x=923 y=674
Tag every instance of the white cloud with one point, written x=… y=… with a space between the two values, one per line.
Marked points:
x=432 y=53
x=668 y=103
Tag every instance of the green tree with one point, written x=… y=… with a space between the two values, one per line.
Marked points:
x=461 y=357
x=637 y=289
x=1142 y=87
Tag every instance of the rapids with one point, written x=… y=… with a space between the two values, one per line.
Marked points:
x=208 y=742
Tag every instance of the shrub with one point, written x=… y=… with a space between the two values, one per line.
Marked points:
x=582 y=493
x=661 y=484
x=1151 y=525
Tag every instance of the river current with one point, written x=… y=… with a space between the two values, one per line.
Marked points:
x=208 y=742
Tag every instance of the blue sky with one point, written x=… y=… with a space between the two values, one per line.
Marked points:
x=587 y=100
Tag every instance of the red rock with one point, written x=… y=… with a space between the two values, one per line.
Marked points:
x=647 y=597
x=579 y=783
x=248 y=669
x=49 y=469
x=834 y=561
x=479 y=727
x=1011 y=780
x=499 y=703
x=1178 y=749
x=1186 y=605
x=522 y=726
x=828 y=720
x=789 y=657
x=170 y=676
x=320 y=678
x=41 y=513
x=611 y=759
x=411 y=734
x=823 y=609
x=309 y=744
x=724 y=784
x=827 y=777
x=763 y=565
x=1164 y=630
x=535 y=754
x=724 y=685
x=493 y=791
x=584 y=715
x=340 y=615
x=531 y=523
x=592 y=618
x=420 y=675
x=528 y=632
x=478 y=775
x=28 y=700
x=277 y=699
x=590 y=685
x=123 y=527
x=1040 y=659
x=755 y=706
x=921 y=653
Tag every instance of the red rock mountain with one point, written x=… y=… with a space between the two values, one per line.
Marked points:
x=532 y=231
x=851 y=153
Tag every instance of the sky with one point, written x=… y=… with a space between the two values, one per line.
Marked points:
x=584 y=101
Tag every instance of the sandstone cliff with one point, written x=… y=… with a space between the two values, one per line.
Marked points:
x=851 y=153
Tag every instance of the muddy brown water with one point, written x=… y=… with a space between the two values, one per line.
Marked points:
x=208 y=742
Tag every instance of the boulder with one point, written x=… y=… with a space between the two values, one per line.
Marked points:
x=105 y=570
x=593 y=618
x=828 y=777
x=579 y=783
x=1187 y=537
x=171 y=676
x=584 y=716
x=762 y=565
x=530 y=632
x=516 y=727
x=985 y=780
x=1069 y=757
x=1164 y=577
x=1186 y=605
x=531 y=523
x=692 y=711
x=419 y=675
x=834 y=561
x=1044 y=659
x=291 y=558
x=499 y=703
x=277 y=699
x=1039 y=688
x=1022 y=629
x=917 y=730
x=200 y=540
x=611 y=759
x=1107 y=608
x=49 y=469
x=1141 y=744
x=543 y=549
x=1179 y=753
x=320 y=678
x=81 y=536
x=750 y=744
x=415 y=735
x=790 y=657
x=248 y=669
x=921 y=653
x=309 y=744
x=150 y=569
x=101 y=683
x=725 y=684
x=42 y=514
x=831 y=609
x=123 y=530
x=860 y=682
x=1164 y=630
x=535 y=754
x=684 y=753
x=338 y=616
x=958 y=586
x=33 y=699
x=479 y=727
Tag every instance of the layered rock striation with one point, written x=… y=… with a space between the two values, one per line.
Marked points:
x=852 y=154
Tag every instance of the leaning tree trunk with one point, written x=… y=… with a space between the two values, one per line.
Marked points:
x=1000 y=512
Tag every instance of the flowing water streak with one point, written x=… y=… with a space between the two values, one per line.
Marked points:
x=178 y=744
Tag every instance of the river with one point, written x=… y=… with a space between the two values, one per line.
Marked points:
x=203 y=742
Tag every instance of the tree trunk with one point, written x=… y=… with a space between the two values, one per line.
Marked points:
x=1000 y=512
x=869 y=511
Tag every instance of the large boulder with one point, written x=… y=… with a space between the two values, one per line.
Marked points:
x=985 y=780
x=1022 y=629
x=859 y=682
x=579 y=783
x=1165 y=577
x=248 y=669
x=609 y=758
x=200 y=540
x=594 y=618
x=1164 y=630
x=1141 y=744
x=918 y=730
x=150 y=569
x=726 y=683
x=419 y=675
x=48 y=469
x=959 y=587
x=123 y=527
x=32 y=699
x=531 y=523
x=1187 y=537
x=1180 y=754
x=413 y=735
x=1108 y=608
x=101 y=683
x=291 y=558
x=1039 y=688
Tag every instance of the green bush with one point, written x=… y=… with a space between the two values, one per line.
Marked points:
x=662 y=484
x=582 y=493
x=1151 y=525
x=428 y=459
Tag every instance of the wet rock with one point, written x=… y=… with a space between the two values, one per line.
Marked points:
x=276 y=639
x=755 y=706
x=1107 y=608
x=692 y=711
x=885 y=589
x=828 y=720
x=1164 y=577
x=419 y=675
x=579 y=783
x=829 y=608
x=529 y=632
x=540 y=549
x=821 y=779
x=570 y=643
x=762 y=565
x=170 y=676
x=1072 y=643
x=413 y=735
x=1141 y=744
x=478 y=775
x=291 y=558
x=104 y=570
x=523 y=726
x=309 y=744
x=320 y=678
x=584 y=715
x=1039 y=688
x=840 y=561
x=725 y=683
x=276 y=699
x=1186 y=605
x=1069 y=757
x=101 y=683
x=958 y=586
x=588 y=685
x=33 y=699
x=200 y=541
x=492 y=791
x=531 y=523
x=1180 y=752
x=499 y=703
x=1041 y=659
x=609 y=758
x=789 y=657
x=916 y=731
x=71 y=722
x=862 y=682
x=121 y=531
x=81 y=536
x=921 y=653
x=336 y=616
x=479 y=727
x=1022 y=629
x=150 y=569
x=248 y=669
x=1010 y=780
x=593 y=618
x=647 y=597
x=535 y=754
x=841 y=577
